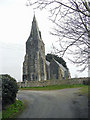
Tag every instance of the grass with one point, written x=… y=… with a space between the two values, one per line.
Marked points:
x=53 y=87
x=0 y=115
x=13 y=110
x=84 y=91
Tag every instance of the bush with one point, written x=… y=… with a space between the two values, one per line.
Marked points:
x=9 y=90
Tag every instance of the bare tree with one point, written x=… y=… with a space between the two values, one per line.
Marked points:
x=71 y=19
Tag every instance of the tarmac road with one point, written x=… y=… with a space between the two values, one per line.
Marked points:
x=65 y=103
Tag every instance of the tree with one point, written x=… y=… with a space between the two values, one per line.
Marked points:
x=49 y=58
x=9 y=90
x=71 y=19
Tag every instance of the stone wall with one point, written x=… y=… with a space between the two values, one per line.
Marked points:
x=53 y=82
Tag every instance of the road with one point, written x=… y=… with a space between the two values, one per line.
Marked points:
x=65 y=103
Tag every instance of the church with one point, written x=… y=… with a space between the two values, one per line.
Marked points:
x=35 y=65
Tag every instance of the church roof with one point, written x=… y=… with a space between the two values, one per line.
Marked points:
x=47 y=62
x=60 y=65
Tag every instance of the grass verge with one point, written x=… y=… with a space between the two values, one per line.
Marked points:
x=13 y=110
x=0 y=115
x=84 y=90
x=53 y=87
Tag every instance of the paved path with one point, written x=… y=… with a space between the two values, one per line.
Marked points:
x=63 y=103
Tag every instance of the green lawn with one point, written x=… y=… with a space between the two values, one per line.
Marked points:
x=13 y=110
x=53 y=87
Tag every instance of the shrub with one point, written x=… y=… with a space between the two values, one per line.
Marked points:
x=9 y=90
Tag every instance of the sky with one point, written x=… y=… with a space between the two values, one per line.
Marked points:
x=15 y=26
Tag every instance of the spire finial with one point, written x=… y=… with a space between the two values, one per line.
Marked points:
x=34 y=18
x=34 y=12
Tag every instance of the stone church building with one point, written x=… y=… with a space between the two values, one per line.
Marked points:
x=35 y=66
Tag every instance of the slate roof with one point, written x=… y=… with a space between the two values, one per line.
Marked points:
x=60 y=65
x=47 y=62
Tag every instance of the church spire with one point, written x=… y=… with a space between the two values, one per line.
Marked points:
x=35 y=33
x=34 y=18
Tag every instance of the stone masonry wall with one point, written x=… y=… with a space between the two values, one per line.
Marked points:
x=53 y=82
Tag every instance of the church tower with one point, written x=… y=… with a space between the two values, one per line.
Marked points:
x=34 y=67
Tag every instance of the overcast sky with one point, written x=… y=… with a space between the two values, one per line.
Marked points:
x=15 y=25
